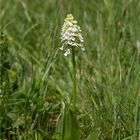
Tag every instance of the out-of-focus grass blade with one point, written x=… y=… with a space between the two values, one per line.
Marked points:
x=93 y=136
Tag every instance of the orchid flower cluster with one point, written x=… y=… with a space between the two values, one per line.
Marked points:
x=71 y=35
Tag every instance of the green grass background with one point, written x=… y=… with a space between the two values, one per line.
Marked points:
x=36 y=77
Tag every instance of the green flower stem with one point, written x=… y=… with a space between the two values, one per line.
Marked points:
x=74 y=80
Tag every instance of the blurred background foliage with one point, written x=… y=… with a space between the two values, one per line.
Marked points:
x=36 y=77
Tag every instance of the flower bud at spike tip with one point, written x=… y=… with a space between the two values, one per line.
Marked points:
x=71 y=35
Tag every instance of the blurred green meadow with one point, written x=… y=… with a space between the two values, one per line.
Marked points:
x=36 y=78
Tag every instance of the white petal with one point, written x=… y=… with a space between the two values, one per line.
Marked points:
x=62 y=48
x=83 y=49
x=67 y=52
